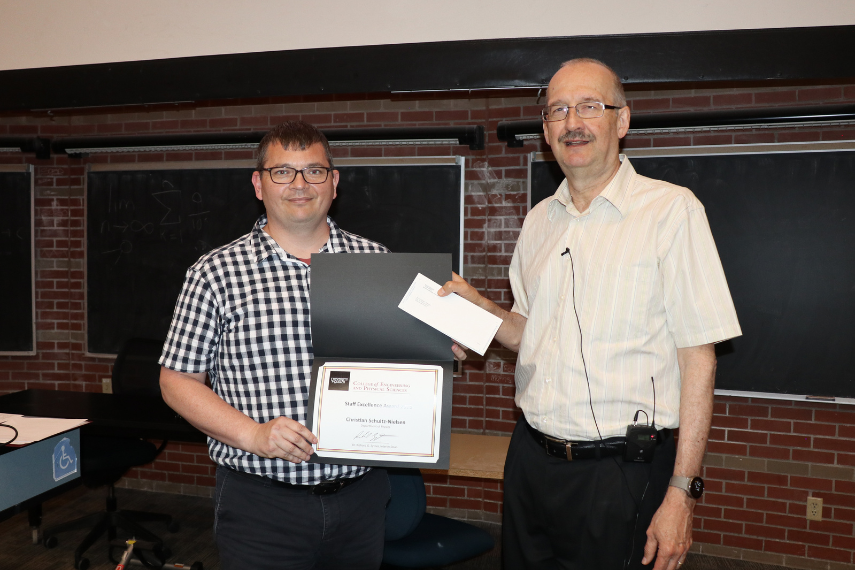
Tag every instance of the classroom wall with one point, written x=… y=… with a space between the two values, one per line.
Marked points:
x=103 y=31
x=764 y=457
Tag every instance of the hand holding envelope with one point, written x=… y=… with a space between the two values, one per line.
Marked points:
x=452 y=315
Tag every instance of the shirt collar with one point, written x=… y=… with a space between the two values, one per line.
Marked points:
x=615 y=194
x=263 y=245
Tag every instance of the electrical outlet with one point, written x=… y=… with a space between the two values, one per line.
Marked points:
x=814 y=509
x=107 y=385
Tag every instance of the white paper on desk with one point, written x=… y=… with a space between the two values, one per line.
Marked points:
x=465 y=322
x=32 y=429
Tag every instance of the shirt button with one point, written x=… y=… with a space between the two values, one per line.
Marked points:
x=562 y=297
x=545 y=419
x=548 y=380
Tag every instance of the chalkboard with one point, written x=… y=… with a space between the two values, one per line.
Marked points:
x=784 y=225
x=146 y=226
x=17 y=323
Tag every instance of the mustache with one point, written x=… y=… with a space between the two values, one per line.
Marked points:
x=575 y=135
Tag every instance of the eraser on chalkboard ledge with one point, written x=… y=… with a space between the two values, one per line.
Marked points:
x=820 y=398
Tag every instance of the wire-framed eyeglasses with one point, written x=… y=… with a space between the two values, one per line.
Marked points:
x=287 y=175
x=586 y=110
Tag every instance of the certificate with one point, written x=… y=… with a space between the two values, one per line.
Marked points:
x=378 y=411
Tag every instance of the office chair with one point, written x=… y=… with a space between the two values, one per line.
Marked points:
x=105 y=459
x=416 y=539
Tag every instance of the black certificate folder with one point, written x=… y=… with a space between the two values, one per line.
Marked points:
x=355 y=319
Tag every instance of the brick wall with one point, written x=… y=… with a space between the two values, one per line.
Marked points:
x=764 y=457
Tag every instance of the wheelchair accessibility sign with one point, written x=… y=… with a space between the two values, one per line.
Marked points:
x=64 y=460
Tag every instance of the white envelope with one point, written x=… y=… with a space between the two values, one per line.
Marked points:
x=465 y=322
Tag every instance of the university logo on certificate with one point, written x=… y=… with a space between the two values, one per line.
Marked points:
x=378 y=411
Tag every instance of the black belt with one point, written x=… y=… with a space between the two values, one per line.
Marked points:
x=578 y=450
x=327 y=487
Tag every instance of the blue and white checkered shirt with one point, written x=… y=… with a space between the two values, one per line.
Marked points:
x=243 y=316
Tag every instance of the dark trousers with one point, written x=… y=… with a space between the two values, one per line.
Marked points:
x=561 y=514
x=261 y=526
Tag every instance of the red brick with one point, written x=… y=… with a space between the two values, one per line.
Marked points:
x=743 y=515
x=811 y=456
x=725 y=474
x=829 y=554
x=742 y=542
x=761 y=478
x=745 y=489
x=844 y=445
x=812 y=428
x=787 y=494
x=696 y=101
x=784 y=547
x=846 y=542
x=723 y=526
x=747 y=436
x=781 y=426
x=842 y=514
x=723 y=421
x=748 y=410
x=707 y=511
x=765 y=531
x=799 y=136
x=820 y=539
x=812 y=483
x=732 y=99
x=725 y=448
x=831 y=527
x=703 y=537
x=786 y=440
x=775 y=97
x=820 y=94
x=788 y=521
x=724 y=500
x=769 y=452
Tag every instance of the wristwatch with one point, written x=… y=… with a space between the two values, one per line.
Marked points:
x=693 y=486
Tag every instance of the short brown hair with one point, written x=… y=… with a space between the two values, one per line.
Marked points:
x=617 y=88
x=292 y=135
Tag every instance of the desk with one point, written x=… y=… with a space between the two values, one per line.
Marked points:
x=110 y=414
x=28 y=474
x=141 y=416
x=476 y=456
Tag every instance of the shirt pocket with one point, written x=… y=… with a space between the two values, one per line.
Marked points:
x=621 y=298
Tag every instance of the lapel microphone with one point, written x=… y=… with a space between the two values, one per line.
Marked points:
x=566 y=252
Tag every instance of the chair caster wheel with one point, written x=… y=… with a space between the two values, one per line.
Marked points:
x=50 y=542
x=84 y=564
x=173 y=526
x=163 y=553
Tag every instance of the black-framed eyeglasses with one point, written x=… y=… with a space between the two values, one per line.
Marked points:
x=586 y=110
x=287 y=175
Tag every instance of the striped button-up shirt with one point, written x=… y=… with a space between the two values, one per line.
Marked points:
x=243 y=316
x=610 y=294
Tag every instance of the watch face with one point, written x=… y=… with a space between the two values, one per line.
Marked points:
x=696 y=487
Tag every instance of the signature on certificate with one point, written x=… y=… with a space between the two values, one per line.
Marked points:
x=370 y=435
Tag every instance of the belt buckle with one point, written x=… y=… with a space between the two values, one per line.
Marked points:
x=568 y=446
x=327 y=487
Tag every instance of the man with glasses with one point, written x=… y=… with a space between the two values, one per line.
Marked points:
x=242 y=320
x=619 y=296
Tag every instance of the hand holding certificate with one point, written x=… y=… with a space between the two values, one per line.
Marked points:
x=465 y=322
x=378 y=411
